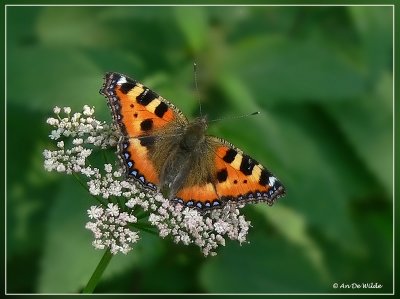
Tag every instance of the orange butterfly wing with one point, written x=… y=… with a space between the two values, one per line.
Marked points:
x=237 y=178
x=141 y=116
x=243 y=179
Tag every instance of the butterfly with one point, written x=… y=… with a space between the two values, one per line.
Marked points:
x=163 y=151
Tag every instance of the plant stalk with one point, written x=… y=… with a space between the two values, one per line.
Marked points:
x=94 y=280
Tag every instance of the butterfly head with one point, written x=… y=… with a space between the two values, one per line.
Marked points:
x=194 y=133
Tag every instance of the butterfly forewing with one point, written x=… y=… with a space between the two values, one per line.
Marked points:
x=142 y=116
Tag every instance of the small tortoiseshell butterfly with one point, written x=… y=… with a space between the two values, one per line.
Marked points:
x=162 y=150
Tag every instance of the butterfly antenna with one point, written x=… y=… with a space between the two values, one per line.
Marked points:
x=234 y=117
x=195 y=84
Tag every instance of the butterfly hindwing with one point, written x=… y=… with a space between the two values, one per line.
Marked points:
x=141 y=115
x=134 y=157
x=234 y=176
x=241 y=178
x=202 y=197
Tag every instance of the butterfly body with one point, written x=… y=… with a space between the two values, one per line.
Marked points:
x=162 y=150
x=184 y=161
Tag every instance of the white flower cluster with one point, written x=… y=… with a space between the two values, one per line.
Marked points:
x=109 y=227
x=188 y=225
x=112 y=223
x=85 y=131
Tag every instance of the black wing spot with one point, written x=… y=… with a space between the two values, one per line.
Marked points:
x=247 y=165
x=147 y=141
x=264 y=177
x=222 y=175
x=127 y=87
x=146 y=97
x=230 y=155
x=146 y=125
x=161 y=109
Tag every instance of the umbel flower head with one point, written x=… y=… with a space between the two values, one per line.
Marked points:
x=124 y=209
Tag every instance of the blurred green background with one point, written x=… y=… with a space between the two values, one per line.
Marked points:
x=322 y=78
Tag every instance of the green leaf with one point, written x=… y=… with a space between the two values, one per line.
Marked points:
x=69 y=259
x=368 y=125
x=293 y=227
x=21 y=22
x=266 y=265
x=28 y=185
x=192 y=22
x=314 y=184
x=276 y=68
x=375 y=27
x=51 y=76
x=72 y=26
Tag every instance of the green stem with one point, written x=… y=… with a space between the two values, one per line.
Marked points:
x=87 y=189
x=142 y=214
x=94 y=280
x=143 y=227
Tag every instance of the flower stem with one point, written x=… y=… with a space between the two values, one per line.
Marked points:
x=94 y=280
x=87 y=189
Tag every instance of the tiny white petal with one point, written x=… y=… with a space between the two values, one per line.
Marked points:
x=108 y=168
x=57 y=110
x=61 y=168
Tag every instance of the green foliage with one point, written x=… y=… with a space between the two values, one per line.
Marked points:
x=322 y=78
x=282 y=268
